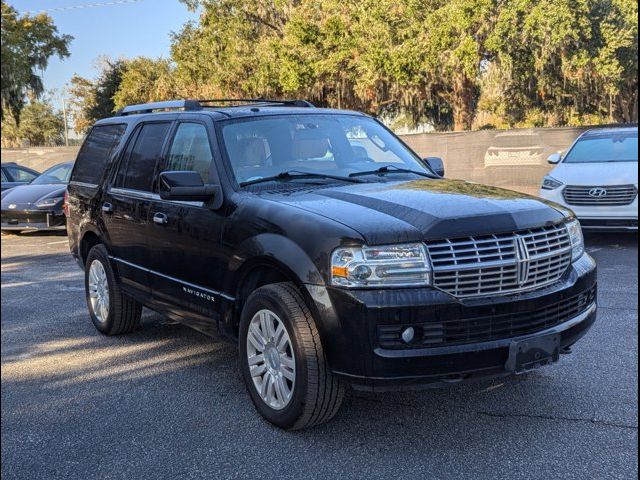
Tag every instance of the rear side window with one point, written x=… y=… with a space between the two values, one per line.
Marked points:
x=190 y=150
x=4 y=177
x=138 y=171
x=96 y=151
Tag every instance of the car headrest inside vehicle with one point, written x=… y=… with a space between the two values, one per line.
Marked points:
x=251 y=152
x=309 y=144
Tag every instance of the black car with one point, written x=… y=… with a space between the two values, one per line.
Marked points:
x=39 y=204
x=324 y=247
x=14 y=175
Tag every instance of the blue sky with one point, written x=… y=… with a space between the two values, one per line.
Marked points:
x=124 y=30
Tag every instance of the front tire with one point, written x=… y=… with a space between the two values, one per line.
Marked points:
x=282 y=360
x=112 y=312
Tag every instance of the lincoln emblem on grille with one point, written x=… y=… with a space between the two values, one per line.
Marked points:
x=522 y=255
x=597 y=192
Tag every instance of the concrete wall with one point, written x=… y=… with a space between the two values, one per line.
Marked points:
x=39 y=158
x=514 y=159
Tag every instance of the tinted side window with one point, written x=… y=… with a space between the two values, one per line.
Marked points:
x=190 y=150
x=139 y=170
x=4 y=177
x=96 y=151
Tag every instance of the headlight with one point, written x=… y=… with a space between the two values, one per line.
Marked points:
x=49 y=202
x=577 y=240
x=550 y=183
x=387 y=265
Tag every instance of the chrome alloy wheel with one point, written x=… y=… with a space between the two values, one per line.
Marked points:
x=99 y=291
x=271 y=359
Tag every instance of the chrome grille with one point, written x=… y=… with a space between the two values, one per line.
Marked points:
x=599 y=195
x=500 y=263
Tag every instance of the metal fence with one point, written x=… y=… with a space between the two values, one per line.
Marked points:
x=514 y=159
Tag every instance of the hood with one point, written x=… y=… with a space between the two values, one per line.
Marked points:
x=594 y=174
x=26 y=195
x=416 y=210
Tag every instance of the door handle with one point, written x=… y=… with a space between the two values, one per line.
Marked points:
x=160 y=218
x=107 y=207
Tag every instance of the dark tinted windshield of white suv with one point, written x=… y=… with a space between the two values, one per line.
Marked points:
x=337 y=145
x=622 y=147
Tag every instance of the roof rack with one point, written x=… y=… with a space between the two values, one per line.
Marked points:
x=194 y=105
x=189 y=105
x=260 y=101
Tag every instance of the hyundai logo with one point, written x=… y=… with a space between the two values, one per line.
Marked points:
x=597 y=192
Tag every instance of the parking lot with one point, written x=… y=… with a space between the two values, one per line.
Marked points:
x=167 y=402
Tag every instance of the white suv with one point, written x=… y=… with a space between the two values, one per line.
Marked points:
x=598 y=179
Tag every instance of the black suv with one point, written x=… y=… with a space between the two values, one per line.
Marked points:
x=324 y=247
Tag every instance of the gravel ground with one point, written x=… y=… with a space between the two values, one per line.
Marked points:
x=167 y=402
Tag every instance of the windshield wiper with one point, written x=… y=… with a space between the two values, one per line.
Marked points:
x=296 y=174
x=390 y=169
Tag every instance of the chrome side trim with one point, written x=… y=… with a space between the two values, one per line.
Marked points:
x=169 y=277
x=132 y=193
x=83 y=184
x=128 y=192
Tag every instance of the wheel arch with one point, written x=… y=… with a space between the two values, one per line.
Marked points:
x=266 y=259
x=89 y=238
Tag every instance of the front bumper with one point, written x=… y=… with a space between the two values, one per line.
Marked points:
x=22 y=220
x=599 y=217
x=352 y=319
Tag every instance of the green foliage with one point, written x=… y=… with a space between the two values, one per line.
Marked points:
x=93 y=100
x=451 y=63
x=145 y=80
x=568 y=59
x=28 y=42
x=39 y=125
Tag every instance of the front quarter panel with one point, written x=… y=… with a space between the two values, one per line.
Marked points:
x=259 y=232
x=301 y=241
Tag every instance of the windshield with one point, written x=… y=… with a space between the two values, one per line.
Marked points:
x=57 y=174
x=337 y=145
x=622 y=147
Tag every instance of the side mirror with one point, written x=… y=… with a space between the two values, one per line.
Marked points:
x=554 y=158
x=185 y=186
x=436 y=164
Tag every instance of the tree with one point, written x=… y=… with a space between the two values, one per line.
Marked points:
x=40 y=124
x=93 y=100
x=232 y=50
x=145 y=80
x=452 y=63
x=568 y=59
x=454 y=51
x=28 y=42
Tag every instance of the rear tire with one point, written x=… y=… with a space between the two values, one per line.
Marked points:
x=112 y=312
x=315 y=393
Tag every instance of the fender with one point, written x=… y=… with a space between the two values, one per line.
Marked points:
x=280 y=252
x=271 y=248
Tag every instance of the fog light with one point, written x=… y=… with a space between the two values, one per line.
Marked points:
x=408 y=334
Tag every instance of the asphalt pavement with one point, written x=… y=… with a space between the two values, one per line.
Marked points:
x=168 y=403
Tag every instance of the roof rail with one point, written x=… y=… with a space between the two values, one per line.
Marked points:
x=190 y=105
x=260 y=101
x=194 y=105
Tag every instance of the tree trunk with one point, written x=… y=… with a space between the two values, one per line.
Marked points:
x=462 y=103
